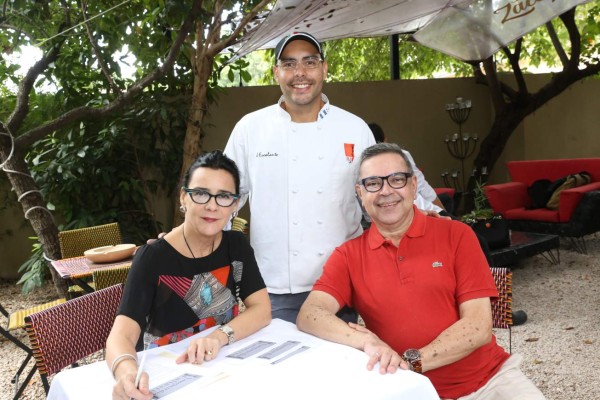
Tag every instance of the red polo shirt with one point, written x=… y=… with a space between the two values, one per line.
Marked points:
x=408 y=295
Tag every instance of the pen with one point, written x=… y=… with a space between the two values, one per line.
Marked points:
x=140 y=370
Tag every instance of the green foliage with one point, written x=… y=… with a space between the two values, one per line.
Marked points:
x=352 y=59
x=104 y=171
x=481 y=210
x=35 y=269
x=251 y=70
x=368 y=59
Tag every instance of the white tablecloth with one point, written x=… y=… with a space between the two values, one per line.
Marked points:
x=309 y=369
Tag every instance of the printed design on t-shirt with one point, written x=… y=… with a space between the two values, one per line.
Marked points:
x=208 y=297
x=238 y=268
x=208 y=294
x=349 y=151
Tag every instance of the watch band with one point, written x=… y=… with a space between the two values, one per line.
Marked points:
x=413 y=358
x=226 y=329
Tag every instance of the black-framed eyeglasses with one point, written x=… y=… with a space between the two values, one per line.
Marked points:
x=200 y=196
x=397 y=180
x=310 y=62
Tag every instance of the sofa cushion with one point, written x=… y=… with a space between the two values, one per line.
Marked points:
x=570 y=182
x=532 y=170
x=506 y=196
x=570 y=198
x=540 y=214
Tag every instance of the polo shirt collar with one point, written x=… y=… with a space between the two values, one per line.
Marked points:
x=322 y=113
x=416 y=229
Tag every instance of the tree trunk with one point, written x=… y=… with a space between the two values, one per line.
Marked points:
x=34 y=208
x=192 y=146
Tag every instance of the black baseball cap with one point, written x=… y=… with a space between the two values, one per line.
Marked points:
x=297 y=36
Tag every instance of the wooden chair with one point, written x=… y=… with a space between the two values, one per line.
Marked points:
x=240 y=224
x=74 y=243
x=502 y=306
x=104 y=278
x=16 y=320
x=64 y=334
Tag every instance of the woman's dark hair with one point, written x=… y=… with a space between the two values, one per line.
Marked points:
x=214 y=160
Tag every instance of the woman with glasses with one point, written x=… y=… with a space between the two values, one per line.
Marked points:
x=190 y=280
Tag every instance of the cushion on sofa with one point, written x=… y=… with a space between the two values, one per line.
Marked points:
x=540 y=214
x=570 y=182
x=569 y=200
x=532 y=170
x=506 y=196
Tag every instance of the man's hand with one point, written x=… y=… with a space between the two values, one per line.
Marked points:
x=431 y=213
x=379 y=352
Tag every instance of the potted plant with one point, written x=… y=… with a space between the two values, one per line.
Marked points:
x=493 y=228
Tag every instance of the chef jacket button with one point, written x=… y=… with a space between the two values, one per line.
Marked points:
x=400 y=258
x=319 y=190
x=295 y=253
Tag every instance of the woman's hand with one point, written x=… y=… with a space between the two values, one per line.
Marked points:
x=202 y=349
x=125 y=389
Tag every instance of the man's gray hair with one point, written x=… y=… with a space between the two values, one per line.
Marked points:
x=383 y=148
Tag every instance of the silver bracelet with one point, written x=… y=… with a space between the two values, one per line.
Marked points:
x=118 y=360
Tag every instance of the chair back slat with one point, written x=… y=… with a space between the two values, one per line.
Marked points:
x=241 y=225
x=75 y=242
x=64 y=334
x=502 y=307
x=104 y=278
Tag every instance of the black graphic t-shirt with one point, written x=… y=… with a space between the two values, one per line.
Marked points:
x=173 y=297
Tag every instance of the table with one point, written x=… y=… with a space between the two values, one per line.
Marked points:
x=277 y=362
x=527 y=244
x=77 y=269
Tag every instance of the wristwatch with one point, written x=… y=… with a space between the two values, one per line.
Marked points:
x=413 y=358
x=226 y=329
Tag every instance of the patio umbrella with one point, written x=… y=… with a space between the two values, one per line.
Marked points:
x=477 y=31
x=465 y=29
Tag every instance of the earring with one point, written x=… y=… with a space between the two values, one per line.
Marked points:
x=182 y=208
x=234 y=214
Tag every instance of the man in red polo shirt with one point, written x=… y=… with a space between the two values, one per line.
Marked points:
x=423 y=288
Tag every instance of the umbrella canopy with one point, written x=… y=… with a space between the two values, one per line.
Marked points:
x=465 y=29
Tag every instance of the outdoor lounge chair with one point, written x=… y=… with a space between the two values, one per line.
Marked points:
x=16 y=320
x=64 y=334
x=502 y=306
x=73 y=243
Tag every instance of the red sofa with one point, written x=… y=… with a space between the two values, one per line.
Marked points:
x=578 y=213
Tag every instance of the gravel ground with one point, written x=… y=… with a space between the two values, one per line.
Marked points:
x=560 y=341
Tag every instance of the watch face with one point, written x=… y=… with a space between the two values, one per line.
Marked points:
x=412 y=354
